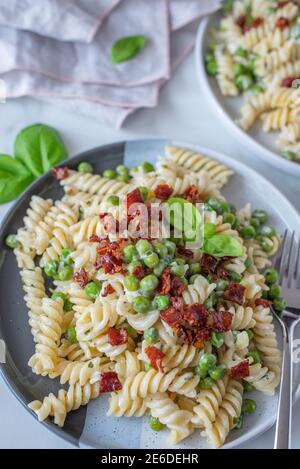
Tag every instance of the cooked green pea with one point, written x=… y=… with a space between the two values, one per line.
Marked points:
x=51 y=268
x=267 y=230
x=215 y=204
x=123 y=178
x=255 y=222
x=248 y=406
x=85 y=167
x=279 y=305
x=158 y=270
x=257 y=89
x=255 y=355
x=160 y=249
x=171 y=247
x=207 y=361
x=65 y=273
x=266 y=245
x=151 y=335
x=143 y=247
x=222 y=284
x=260 y=215
x=141 y=304
x=248 y=387
x=147 y=167
x=211 y=65
x=144 y=192
x=248 y=263
x=58 y=295
x=240 y=52
x=162 y=302
x=155 y=424
x=248 y=232
x=109 y=174
x=93 y=289
x=235 y=277
x=65 y=257
x=218 y=372
x=274 y=292
x=133 y=266
x=239 y=423
x=122 y=170
x=229 y=218
x=151 y=260
x=149 y=283
x=133 y=170
x=271 y=276
x=147 y=366
x=206 y=383
x=113 y=200
x=195 y=268
x=177 y=269
x=217 y=339
x=132 y=283
x=11 y=241
x=244 y=81
x=130 y=253
x=239 y=69
x=236 y=224
x=289 y=155
x=224 y=206
x=71 y=335
x=68 y=306
x=210 y=302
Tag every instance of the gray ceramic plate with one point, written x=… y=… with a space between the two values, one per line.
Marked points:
x=89 y=427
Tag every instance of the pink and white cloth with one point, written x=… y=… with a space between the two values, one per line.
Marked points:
x=59 y=50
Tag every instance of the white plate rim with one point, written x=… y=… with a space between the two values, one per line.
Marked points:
x=272 y=158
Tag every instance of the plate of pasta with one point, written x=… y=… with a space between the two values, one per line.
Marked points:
x=248 y=61
x=117 y=337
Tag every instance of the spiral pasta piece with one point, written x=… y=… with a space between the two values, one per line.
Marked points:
x=96 y=185
x=206 y=411
x=34 y=288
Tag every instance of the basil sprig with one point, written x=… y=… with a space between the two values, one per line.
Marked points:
x=222 y=245
x=127 y=48
x=37 y=149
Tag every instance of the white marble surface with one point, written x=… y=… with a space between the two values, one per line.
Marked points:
x=184 y=114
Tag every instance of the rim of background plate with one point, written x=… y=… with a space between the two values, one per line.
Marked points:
x=272 y=158
x=240 y=168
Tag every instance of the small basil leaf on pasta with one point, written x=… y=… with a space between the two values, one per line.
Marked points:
x=184 y=217
x=14 y=178
x=40 y=148
x=127 y=48
x=222 y=245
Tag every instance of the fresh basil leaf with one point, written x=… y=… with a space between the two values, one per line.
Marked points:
x=209 y=230
x=127 y=48
x=40 y=148
x=184 y=217
x=14 y=178
x=222 y=245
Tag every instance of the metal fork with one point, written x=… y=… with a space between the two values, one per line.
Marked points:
x=287 y=263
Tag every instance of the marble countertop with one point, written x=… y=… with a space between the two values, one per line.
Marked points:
x=182 y=114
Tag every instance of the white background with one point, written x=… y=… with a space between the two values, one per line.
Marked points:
x=183 y=114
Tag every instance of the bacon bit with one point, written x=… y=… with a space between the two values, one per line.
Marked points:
x=111 y=225
x=60 y=173
x=257 y=22
x=171 y=316
x=156 y=357
x=165 y=282
x=282 y=23
x=97 y=239
x=242 y=370
x=202 y=336
x=288 y=82
x=192 y=194
x=196 y=315
x=81 y=277
x=177 y=303
x=235 y=293
x=282 y=4
x=222 y=321
x=177 y=286
x=141 y=272
x=110 y=256
x=262 y=302
x=109 y=382
x=221 y=269
x=108 y=290
x=208 y=264
x=241 y=21
x=117 y=336
x=163 y=191
x=134 y=197
x=185 y=252
x=186 y=335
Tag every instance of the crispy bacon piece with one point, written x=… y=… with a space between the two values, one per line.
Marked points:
x=163 y=191
x=97 y=239
x=185 y=252
x=177 y=286
x=196 y=315
x=117 y=336
x=208 y=264
x=282 y=22
x=201 y=337
x=156 y=357
x=288 y=82
x=262 y=302
x=241 y=21
x=192 y=194
x=165 y=282
x=222 y=321
x=172 y=316
x=257 y=22
x=185 y=334
x=108 y=290
x=109 y=382
x=141 y=272
x=81 y=277
x=235 y=293
x=60 y=173
x=110 y=256
x=242 y=370
x=282 y=4
x=134 y=197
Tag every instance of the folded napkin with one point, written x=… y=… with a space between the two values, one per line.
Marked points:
x=80 y=76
